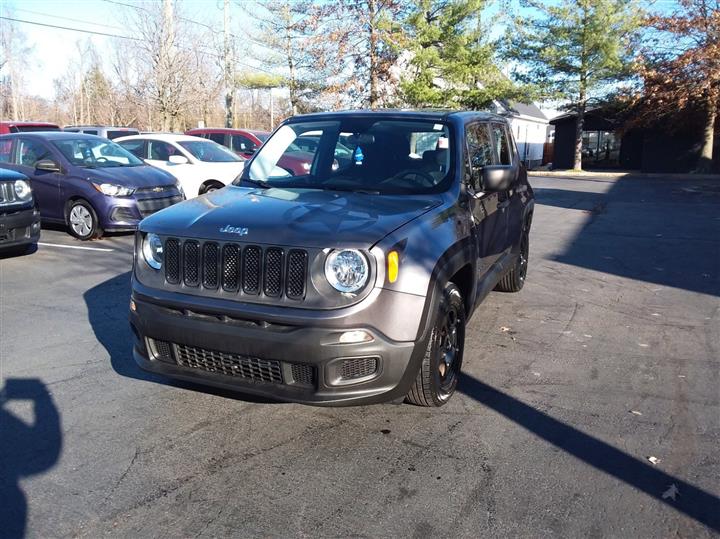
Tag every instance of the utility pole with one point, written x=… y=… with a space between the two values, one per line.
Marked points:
x=228 y=68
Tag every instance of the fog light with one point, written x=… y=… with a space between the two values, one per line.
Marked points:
x=356 y=336
x=133 y=307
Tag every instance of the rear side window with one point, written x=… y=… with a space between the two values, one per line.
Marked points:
x=216 y=137
x=90 y=131
x=502 y=144
x=32 y=151
x=115 y=134
x=135 y=147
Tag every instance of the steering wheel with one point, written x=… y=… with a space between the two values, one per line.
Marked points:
x=101 y=159
x=426 y=179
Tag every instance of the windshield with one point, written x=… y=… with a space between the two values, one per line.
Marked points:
x=206 y=150
x=96 y=153
x=356 y=154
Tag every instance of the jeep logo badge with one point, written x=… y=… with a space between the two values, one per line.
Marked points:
x=239 y=230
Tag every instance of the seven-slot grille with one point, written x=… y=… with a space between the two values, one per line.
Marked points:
x=7 y=193
x=248 y=269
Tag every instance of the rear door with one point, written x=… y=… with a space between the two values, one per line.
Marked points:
x=46 y=185
x=488 y=220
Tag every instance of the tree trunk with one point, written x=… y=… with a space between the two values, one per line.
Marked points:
x=373 y=55
x=579 y=126
x=706 y=153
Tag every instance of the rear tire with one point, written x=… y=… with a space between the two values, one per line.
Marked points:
x=440 y=370
x=514 y=280
x=82 y=220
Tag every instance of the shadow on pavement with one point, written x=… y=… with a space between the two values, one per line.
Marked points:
x=696 y=503
x=107 y=306
x=665 y=232
x=25 y=449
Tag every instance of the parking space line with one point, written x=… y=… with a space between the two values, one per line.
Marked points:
x=75 y=247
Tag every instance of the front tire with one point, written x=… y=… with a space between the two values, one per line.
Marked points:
x=82 y=220
x=440 y=369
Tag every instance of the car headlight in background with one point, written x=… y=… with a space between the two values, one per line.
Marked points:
x=347 y=270
x=23 y=190
x=152 y=250
x=112 y=190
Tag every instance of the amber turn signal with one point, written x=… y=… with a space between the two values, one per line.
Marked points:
x=393 y=261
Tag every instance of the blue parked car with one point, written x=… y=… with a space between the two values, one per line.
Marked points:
x=87 y=182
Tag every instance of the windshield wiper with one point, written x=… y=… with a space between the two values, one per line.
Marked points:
x=354 y=190
x=257 y=183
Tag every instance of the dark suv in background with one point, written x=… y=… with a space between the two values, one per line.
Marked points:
x=349 y=283
x=19 y=218
x=86 y=182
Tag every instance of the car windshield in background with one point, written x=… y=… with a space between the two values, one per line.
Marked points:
x=261 y=136
x=358 y=154
x=96 y=153
x=208 y=151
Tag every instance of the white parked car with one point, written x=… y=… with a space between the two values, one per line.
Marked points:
x=200 y=165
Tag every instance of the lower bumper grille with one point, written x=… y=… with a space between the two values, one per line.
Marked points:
x=148 y=206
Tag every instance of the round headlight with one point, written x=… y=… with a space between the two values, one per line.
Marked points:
x=152 y=250
x=347 y=270
x=22 y=190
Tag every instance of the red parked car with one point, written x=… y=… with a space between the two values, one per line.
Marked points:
x=26 y=127
x=245 y=143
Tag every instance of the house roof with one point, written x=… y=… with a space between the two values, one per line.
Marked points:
x=523 y=109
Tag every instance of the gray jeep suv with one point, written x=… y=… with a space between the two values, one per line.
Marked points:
x=348 y=283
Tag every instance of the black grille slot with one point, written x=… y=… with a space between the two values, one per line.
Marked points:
x=191 y=258
x=358 y=368
x=172 y=261
x=230 y=267
x=296 y=274
x=210 y=265
x=273 y=272
x=303 y=374
x=161 y=350
x=249 y=368
x=251 y=270
x=148 y=206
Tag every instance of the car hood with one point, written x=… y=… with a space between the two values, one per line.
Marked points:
x=139 y=176
x=293 y=217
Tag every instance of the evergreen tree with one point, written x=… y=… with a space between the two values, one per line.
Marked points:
x=451 y=62
x=575 y=50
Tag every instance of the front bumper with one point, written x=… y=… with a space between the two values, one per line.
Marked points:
x=21 y=227
x=292 y=362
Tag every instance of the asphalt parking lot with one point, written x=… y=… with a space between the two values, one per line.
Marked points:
x=609 y=356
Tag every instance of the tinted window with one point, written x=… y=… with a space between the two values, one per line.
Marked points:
x=5 y=151
x=124 y=133
x=90 y=131
x=216 y=137
x=502 y=145
x=243 y=144
x=33 y=128
x=208 y=151
x=480 y=150
x=365 y=154
x=135 y=147
x=32 y=151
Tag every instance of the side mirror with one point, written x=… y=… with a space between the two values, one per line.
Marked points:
x=178 y=160
x=48 y=165
x=497 y=177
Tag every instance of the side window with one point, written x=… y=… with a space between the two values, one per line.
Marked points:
x=216 y=137
x=502 y=145
x=90 y=131
x=5 y=151
x=135 y=147
x=160 y=151
x=31 y=151
x=480 y=150
x=243 y=144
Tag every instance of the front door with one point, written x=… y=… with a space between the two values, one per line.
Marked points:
x=45 y=184
x=486 y=207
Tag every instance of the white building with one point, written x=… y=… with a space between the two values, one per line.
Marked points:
x=529 y=126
